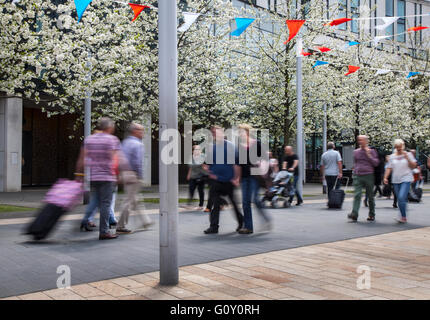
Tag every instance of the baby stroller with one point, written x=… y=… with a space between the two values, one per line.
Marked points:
x=281 y=190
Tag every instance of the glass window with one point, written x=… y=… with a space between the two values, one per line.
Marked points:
x=401 y=23
x=355 y=13
x=389 y=12
x=401 y=27
x=389 y=8
x=343 y=6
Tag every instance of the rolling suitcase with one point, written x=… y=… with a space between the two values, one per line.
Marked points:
x=62 y=197
x=336 y=197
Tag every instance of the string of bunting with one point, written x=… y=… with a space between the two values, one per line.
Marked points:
x=353 y=69
x=293 y=26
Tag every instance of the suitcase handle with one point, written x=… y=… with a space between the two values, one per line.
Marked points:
x=347 y=181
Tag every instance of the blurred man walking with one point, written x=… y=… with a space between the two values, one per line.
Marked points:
x=133 y=150
x=365 y=161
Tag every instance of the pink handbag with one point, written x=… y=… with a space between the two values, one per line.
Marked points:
x=65 y=193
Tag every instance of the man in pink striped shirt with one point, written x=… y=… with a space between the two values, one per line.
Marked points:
x=98 y=152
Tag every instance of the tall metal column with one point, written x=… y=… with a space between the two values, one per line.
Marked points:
x=324 y=147
x=300 y=145
x=87 y=129
x=168 y=119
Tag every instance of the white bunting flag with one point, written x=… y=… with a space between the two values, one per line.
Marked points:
x=379 y=38
x=387 y=21
x=189 y=17
x=382 y=71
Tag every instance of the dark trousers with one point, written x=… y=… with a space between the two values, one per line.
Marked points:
x=200 y=185
x=102 y=190
x=219 y=189
x=210 y=203
x=331 y=181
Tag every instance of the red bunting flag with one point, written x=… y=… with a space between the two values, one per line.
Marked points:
x=305 y=54
x=293 y=28
x=137 y=9
x=351 y=69
x=416 y=29
x=323 y=49
x=337 y=22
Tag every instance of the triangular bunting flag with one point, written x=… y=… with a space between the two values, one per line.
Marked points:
x=411 y=74
x=352 y=69
x=382 y=71
x=337 y=22
x=305 y=54
x=352 y=43
x=137 y=9
x=379 y=38
x=189 y=18
x=81 y=5
x=387 y=21
x=319 y=63
x=241 y=25
x=323 y=49
x=416 y=29
x=293 y=28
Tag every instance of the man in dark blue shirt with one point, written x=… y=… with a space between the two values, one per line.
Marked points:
x=224 y=174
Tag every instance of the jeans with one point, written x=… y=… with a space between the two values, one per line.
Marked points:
x=219 y=189
x=366 y=181
x=331 y=181
x=402 y=190
x=94 y=204
x=250 y=189
x=200 y=185
x=102 y=192
x=298 y=195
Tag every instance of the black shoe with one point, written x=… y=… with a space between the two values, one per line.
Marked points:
x=395 y=205
x=371 y=219
x=352 y=218
x=210 y=231
x=85 y=227
x=365 y=203
x=299 y=203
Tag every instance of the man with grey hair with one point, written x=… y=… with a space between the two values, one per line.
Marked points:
x=331 y=167
x=365 y=161
x=133 y=150
x=99 y=151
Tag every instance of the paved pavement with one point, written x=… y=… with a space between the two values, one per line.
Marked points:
x=30 y=267
x=397 y=267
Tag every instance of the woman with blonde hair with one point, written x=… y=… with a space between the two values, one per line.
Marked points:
x=400 y=166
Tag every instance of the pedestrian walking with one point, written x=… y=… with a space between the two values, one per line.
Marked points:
x=290 y=162
x=98 y=153
x=197 y=176
x=365 y=161
x=379 y=173
x=133 y=150
x=224 y=178
x=249 y=183
x=400 y=165
x=87 y=223
x=331 y=167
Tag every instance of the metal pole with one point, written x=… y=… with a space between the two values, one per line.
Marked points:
x=324 y=143
x=300 y=146
x=168 y=118
x=87 y=129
